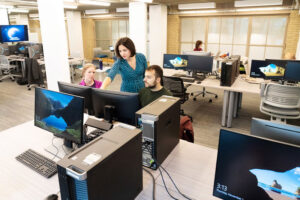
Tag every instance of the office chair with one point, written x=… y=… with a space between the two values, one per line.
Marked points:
x=176 y=86
x=281 y=102
x=203 y=93
x=6 y=69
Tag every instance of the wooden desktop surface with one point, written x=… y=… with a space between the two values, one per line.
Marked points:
x=191 y=166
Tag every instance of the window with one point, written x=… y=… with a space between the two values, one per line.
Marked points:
x=257 y=37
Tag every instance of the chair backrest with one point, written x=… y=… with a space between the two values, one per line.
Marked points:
x=284 y=96
x=4 y=61
x=176 y=86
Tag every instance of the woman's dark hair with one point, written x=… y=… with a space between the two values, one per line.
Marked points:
x=126 y=42
x=158 y=72
x=198 y=43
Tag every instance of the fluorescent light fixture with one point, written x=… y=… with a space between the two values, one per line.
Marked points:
x=34 y=15
x=70 y=1
x=6 y=6
x=96 y=11
x=195 y=6
x=70 y=6
x=198 y=11
x=25 y=2
x=260 y=9
x=126 y=9
x=146 y=1
x=97 y=3
x=28 y=7
x=17 y=10
x=249 y=3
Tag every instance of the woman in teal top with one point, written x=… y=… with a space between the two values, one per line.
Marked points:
x=130 y=65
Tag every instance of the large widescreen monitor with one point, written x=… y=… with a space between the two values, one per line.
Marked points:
x=253 y=168
x=175 y=61
x=276 y=131
x=60 y=114
x=114 y=105
x=13 y=33
x=257 y=67
x=292 y=71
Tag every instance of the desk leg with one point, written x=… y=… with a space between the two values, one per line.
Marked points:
x=225 y=105
x=235 y=105
x=230 y=109
x=23 y=68
x=240 y=100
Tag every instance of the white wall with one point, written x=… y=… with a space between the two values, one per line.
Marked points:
x=3 y=17
x=138 y=25
x=55 y=44
x=157 y=33
x=75 y=33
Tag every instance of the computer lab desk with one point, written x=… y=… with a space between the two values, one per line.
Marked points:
x=191 y=166
x=232 y=97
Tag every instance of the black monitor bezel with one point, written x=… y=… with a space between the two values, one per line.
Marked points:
x=82 y=135
x=97 y=100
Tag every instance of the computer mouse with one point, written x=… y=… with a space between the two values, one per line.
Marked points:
x=52 y=197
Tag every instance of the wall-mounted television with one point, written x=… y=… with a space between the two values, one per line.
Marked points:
x=13 y=33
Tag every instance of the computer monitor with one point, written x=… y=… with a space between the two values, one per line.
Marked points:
x=202 y=64
x=22 y=48
x=34 y=51
x=197 y=53
x=292 y=71
x=115 y=105
x=78 y=90
x=250 y=167
x=12 y=49
x=275 y=69
x=4 y=50
x=256 y=66
x=175 y=61
x=13 y=33
x=276 y=131
x=60 y=114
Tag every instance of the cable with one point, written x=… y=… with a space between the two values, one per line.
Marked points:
x=175 y=184
x=57 y=150
x=162 y=177
x=153 y=180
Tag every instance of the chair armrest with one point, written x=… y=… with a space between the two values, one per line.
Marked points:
x=262 y=89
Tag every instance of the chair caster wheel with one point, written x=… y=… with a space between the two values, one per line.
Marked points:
x=0 y=80
x=194 y=99
x=29 y=88
x=192 y=94
x=216 y=96
x=210 y=100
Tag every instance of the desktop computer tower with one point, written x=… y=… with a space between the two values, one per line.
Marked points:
x=228 y=72
x=109 y=167
x=160 y=121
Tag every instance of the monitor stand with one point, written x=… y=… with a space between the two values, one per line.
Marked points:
x=60 y=148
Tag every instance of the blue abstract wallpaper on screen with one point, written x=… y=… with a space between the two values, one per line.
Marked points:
x=14 y=33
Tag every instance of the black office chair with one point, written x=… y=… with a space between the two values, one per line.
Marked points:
x=178 y=89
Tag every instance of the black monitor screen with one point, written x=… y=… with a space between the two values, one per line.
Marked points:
x=59 y=113
x=13 y=33
x=200 y=63
x=123 y=105
x=78 y=90
x=175 y=61
x=276 y=131
x=292 y=71
x=253 y=168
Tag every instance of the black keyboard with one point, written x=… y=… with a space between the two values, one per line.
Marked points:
x=38 y=163
x=188 y=79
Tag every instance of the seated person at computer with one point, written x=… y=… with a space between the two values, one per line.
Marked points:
x=88 y=76
x=130 y=65
x=198 y=45
x=153 y=83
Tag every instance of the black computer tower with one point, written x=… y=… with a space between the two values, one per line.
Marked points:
x=228 y=72
x=109 y=167
x=160 y=121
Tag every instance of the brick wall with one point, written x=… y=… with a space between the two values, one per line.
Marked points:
x=173 y=34
x=292 y=34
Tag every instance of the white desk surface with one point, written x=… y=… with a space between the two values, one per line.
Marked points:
x=191 y=166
